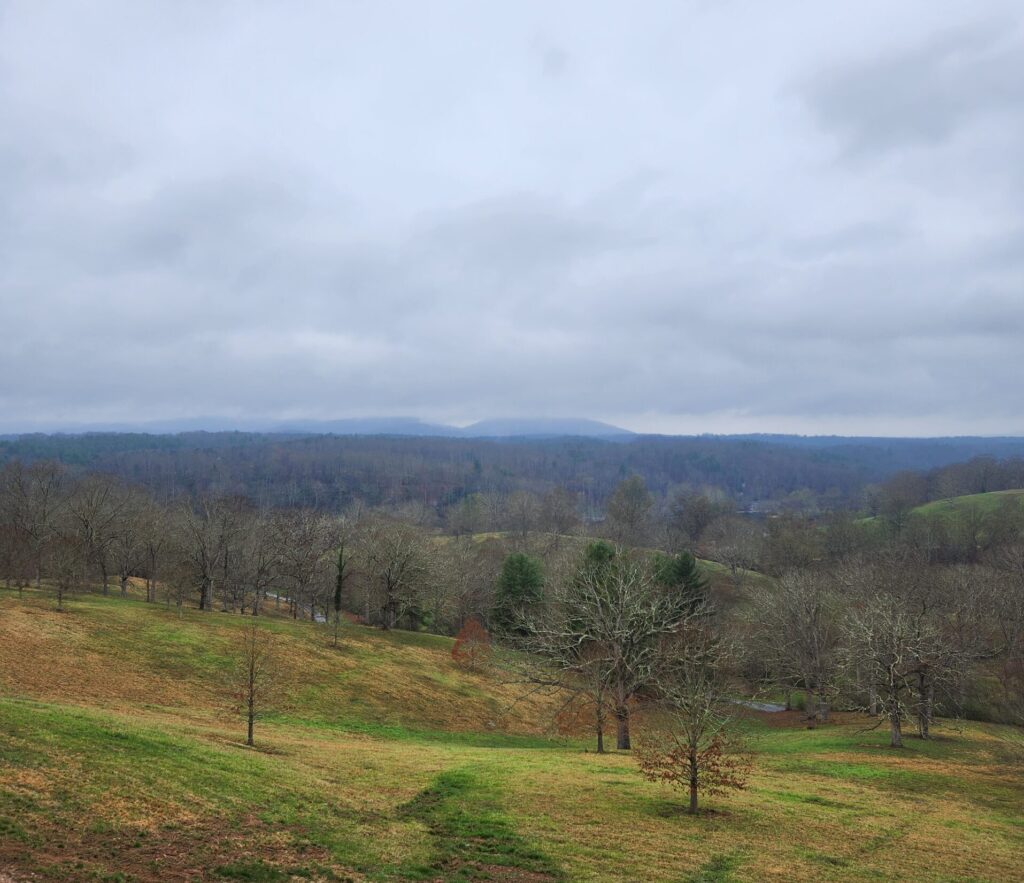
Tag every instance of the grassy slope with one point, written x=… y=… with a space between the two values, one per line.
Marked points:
x=987 y=502
x=118 y=755
x=954 y=506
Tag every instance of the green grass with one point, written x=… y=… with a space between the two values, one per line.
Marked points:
x=120 y=755
x=471 y=835
x=985 y=503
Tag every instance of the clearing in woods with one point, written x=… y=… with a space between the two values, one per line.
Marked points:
x=120 y=759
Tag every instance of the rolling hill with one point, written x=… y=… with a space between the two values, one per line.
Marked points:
x=121 y=759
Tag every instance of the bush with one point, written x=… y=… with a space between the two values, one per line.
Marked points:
x=472 y=648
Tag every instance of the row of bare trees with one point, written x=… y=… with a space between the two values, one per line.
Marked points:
x=68 y=532
x=893 y=635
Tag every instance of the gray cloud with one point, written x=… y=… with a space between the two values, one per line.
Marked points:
x=924 y=94
x=699 y=217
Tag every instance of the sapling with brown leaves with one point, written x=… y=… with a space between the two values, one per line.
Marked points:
x=692 y=743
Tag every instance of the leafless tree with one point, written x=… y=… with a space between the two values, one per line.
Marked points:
x=158 y=525
x=256 y=677
x=395 y=559
x=736 y=543
x=799 y=620
x=258 y=556
x=66 y=561
x=559 y=512
x=629 y=512
x=604 y=632
x=306 y=539
x=689 y=517
x=522 y=517
x=127 y=549
x=95 y=507
x=1008 y=613
x=205 y=529
x=886 y=646
x=36 y=497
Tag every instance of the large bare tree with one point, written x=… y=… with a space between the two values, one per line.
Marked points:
x=604 y=630
x=798 y=620
x=395 y=558
x=36 y=498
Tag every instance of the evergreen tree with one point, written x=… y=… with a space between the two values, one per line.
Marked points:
x=682 y=576
x=520 y=585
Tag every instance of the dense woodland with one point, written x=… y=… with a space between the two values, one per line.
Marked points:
x=331 y=473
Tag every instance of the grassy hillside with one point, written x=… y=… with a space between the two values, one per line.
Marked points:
x=988 y=502
x=121 y=760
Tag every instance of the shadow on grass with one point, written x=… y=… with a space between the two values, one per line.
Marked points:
x=718 y=869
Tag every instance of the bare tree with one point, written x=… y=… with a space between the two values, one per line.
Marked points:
x=257 y=554
x=629 y=511
x=206 y=527
x=799 y=620
x=885 y=646
x=735 y=542
x=95 y=507
x=342 y=573
x=1008 y=613
x=36 y=498
x=559 y=512
x=603 y=631
x=689 y=517
x=127 y=549
x=158 y=528
x=306 y=539
x=255 y=674
x=395 y=559
x=67 y=563
x=522 y=516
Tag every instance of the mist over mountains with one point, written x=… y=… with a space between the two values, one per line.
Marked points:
x=526 y=427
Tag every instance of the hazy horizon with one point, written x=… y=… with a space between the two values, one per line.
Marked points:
x=681 y=218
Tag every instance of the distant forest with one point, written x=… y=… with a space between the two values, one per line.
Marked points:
x=328 y=472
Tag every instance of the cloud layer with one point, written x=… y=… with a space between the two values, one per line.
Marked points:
x=680 y=217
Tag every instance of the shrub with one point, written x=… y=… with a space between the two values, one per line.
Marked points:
x=472 y=648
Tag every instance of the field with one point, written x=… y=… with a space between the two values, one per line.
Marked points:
x=984 y=503
x=121 y=759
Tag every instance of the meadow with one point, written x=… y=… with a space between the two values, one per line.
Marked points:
x=121 y=758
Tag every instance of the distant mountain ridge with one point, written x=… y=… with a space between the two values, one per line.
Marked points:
x=400 y=426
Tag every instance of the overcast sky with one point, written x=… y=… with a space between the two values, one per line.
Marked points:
x=675 y=216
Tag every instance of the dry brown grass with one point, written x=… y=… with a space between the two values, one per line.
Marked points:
x=362 y=740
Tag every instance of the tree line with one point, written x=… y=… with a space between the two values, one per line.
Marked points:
x=333 y=472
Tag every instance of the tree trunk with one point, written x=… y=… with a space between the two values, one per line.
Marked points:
x=895 y=728
x=873 y=703
x=789 y=700
x=926 y=700
x=823 y=707
x=622 y=728
x=252 y=719
x=693 y=780
x=811 y=708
